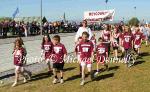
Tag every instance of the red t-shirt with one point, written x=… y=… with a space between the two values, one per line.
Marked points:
x=86 y=49
x=59 y=51
x=127 y=39
x=18 y=56
x=47 y=47
x=138 y=36
x=101 y=50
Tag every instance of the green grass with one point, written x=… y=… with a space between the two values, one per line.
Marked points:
x=118 y=79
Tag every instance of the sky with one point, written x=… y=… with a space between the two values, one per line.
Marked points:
x=74 y=9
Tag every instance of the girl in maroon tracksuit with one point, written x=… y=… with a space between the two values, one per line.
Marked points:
x=47 y=51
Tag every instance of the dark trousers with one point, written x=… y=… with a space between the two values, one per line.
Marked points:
x=5 y=32
x=0 y=31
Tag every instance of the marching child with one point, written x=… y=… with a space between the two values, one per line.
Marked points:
x=18 y=61
x=47 y=47
x=106 y=35
x=115 y=42
x=26 y=72
x=101 y=54
x=86 y=55
x=138 y=36
x=59 y=53
x=127 y=43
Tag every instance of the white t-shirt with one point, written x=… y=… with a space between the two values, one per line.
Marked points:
x=148 y=30
x=144 y=30
x=81 y=30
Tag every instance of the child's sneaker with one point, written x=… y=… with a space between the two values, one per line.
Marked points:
x=61 y=81
x=95 y=74
x=129 y=65
x=24 y=80
x=82 y=82
x=14 y=84
x=55 y=81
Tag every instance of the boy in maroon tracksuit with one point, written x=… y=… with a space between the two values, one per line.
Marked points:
x=58 y=55
x=86 y=54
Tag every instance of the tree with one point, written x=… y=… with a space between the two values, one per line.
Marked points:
x=44 y=20
x=5 y=18
x=133 y=21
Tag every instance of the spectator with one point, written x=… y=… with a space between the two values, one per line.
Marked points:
x=82 y=29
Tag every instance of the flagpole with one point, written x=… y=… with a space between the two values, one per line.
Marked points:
x=18 y=6
x=41 y=19
x=106 y=2
x=106 y=6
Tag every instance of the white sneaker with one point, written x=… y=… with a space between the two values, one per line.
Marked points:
x=116 y=58
x=61 y=81
x=82 y=82
x=55 y=81
x=129 y=65
x=14 y=84
x=95 y=74
x=1 y=82
x=24 y=80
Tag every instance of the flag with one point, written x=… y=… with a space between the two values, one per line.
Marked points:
x=15 y=12
x=106 y=1
x=135 y=7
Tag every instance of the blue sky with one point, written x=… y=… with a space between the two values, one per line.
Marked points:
x=54 y=9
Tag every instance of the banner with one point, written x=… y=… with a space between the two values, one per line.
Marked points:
x=99 y=16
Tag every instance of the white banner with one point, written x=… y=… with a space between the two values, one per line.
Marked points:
x=103 y=15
